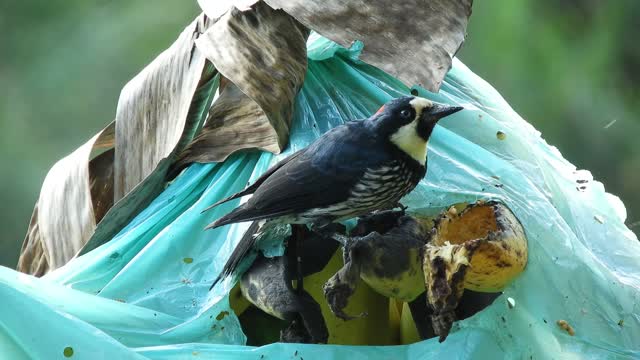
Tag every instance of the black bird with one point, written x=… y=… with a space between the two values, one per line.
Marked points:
x=351 y=170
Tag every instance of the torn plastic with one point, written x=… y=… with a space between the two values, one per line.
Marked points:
x=145 y=294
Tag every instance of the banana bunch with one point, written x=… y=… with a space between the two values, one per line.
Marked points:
x=373 y=325
x=479 y=247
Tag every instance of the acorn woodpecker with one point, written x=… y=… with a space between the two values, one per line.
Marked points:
x=351 y=170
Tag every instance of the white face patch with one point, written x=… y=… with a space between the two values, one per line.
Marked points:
x=407 y=138
x=420 y=104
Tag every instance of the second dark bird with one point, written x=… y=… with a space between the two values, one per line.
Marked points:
x=351 y=170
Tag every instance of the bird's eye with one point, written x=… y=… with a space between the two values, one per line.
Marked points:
x=405 y=113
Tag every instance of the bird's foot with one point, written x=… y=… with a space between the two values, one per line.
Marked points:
x=379 y=221
x=400 y=206
x=351 y=246
x=334 y=231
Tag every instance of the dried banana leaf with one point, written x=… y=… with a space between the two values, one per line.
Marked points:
x=74 y=195
x=235 y=122
x=215 y=9
x=263 y=52
x=153 y=108
x=413 y=40
x=137 y=199
x=158 y=115
x=261 y=121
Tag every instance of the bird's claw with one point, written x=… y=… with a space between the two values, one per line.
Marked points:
x=402 y=208
x=348 y=245
x=329 y=231
x=379 y=221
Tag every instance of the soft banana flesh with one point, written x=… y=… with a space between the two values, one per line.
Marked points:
x=481 y=248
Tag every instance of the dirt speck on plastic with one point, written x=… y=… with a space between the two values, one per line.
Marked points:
x=68 y=351
x=564 y=325
x=222 y=315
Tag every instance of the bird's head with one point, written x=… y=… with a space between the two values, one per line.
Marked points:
x=408 y=122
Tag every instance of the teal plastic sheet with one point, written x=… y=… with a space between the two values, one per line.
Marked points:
x=145 y=294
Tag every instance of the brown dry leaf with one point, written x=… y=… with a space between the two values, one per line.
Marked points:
x=159 y=113
x=263 y=52
x=413 y=40
x=181 y=57
x=243 y=39
x=153 y=108
x=216 y=8
x=74 y=194
x=235 y=122
x=32 y=257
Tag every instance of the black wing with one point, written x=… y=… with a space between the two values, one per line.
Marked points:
x=320 y=175
x=253 y=187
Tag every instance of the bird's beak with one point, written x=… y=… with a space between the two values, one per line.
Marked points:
x=431 y=116
x=439 y=111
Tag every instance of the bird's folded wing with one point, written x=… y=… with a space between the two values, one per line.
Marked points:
x=323 y=175
x=253 y=187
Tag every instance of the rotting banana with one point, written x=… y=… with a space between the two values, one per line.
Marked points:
x=481 y=248
x=444 y=268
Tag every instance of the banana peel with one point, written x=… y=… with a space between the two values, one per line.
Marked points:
x=445 y=268
x=481 y=248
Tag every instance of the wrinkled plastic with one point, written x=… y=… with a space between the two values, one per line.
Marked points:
x=144 y=295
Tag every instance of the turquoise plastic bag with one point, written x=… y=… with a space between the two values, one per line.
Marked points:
x=144 y=295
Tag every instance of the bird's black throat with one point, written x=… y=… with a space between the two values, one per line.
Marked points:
x=425 y=128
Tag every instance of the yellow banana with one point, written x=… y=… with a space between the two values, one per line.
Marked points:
x=499 y=240
x=481 y=248
x=374 y=327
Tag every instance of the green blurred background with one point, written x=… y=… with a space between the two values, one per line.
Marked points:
x=572 y=68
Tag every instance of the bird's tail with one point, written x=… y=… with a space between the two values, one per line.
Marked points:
x=240 y=194
x=234 y=216
x=241 y=250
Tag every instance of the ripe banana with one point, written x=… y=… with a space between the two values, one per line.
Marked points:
x=481 y=248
